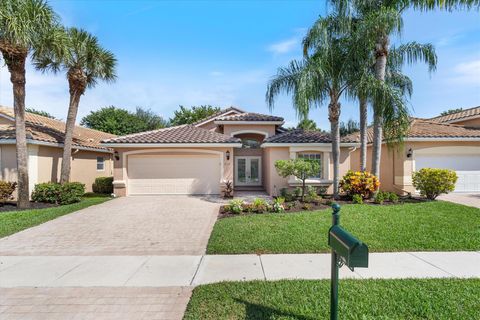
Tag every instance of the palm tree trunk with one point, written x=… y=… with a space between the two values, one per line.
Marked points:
x=16 y=67
x=363 y=133
x=69 y=127
x=381 y=52
x=334 y=116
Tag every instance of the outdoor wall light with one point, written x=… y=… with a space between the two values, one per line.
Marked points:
x=228 y=155
x=117 y=157
x=409 y=153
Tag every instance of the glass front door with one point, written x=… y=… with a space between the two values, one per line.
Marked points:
x=248 y=171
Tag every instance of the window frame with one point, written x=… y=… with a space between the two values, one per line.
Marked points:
x=102 y=162
x=316 y=156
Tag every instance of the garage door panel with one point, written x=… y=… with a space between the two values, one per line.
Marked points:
x=174 y=174
x=467 y=168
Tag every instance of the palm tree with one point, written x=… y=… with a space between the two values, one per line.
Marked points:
x=23 y=26
x=307 y=124
x=85 y=62
x=329 y=73
x=379 y=21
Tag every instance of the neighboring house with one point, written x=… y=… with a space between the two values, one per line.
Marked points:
x=45 y=148
x=242 y=147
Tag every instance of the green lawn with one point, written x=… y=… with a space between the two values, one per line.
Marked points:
x=15 y=221
x=359 y=299
x=429 y=226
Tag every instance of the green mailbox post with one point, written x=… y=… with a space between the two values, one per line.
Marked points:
x=346 y=250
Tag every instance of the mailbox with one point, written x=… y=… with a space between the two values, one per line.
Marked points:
x=351 y=251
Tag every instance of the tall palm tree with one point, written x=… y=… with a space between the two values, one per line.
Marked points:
x=327 y=74
x=23 y=26
x=380 y=20
x=85 y=62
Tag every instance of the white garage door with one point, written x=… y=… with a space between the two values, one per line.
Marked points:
x=173 y=174
x=467 y=168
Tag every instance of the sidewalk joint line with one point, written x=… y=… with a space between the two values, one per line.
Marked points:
x=263 y=270
x=428 y=262
x=135 y=272
x=196 y=271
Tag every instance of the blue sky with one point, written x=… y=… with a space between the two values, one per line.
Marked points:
x=223 y=53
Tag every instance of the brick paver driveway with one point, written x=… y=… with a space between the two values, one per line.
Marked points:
x=150 y=225
x=132 y=226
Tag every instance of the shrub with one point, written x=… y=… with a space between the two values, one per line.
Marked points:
x=260 y=205
x=359 y=182
x=46 y=192
x=248 y=207
x=287 y=195
x=71 y=192
x=52 y=192
x=235 y=206
x=297 y=192
x=393 y=197
x=307 y=206
x=6 y=190
x=103 y=185
x=433 y=182
x=300 y=168
x=321 y=190
x=312 y=191
x=278 y=205
x=357 y=199
x=379 y=197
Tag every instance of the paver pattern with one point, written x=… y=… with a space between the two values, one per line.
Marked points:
x=93 y=303
x=150 y=225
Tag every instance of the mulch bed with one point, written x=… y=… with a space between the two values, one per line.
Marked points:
x=12 y=206
x=325 y=203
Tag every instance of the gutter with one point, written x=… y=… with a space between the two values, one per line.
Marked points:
x=57 y=145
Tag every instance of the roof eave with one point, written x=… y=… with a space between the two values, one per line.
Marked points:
x=248 y=122
x=102 y=148
x=307 y=144
x=173 y=145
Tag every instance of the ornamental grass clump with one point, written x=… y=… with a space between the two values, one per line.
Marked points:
x=432 y=182
x=361 y=183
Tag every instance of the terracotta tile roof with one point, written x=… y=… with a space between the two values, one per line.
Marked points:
x=45 y=129
x=219 y=113
x=249 y=116
x=423 y=128
x=303 y=136
x=457 y=116
x=178 y=134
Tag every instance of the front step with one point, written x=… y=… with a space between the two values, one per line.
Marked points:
x=249 y=188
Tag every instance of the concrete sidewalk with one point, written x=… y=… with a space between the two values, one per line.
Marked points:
x=185 y=271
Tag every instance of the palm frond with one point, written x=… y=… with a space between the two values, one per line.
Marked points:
x=413 y=52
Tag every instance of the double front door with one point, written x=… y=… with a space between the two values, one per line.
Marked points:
x=248 y=171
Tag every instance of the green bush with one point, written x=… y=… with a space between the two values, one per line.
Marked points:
x=432 y=182
x=235 y=206
x=103 y=185
x=379 y=197
x=297 y=192
x=287 y=195
x=46 y=192
x=52 y=192
x=393 y=197
x=6 y=190
x=312 y=191
x=71 y=192
x=357 y=199
x=260 y=205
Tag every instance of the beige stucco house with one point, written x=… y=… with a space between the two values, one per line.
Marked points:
x=45 y=147
x=242 y=147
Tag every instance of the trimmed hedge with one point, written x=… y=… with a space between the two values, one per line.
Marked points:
x=103 y=185
x=52 y=192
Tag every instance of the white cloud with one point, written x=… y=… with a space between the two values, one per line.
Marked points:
x=284 y=46
x=216 y=73
x=467 y=73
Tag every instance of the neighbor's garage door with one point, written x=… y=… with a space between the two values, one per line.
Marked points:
x=173 y=174
x=466 y=166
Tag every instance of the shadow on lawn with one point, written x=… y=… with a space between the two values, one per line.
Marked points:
x=259 y=312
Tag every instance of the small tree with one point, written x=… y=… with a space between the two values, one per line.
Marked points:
x=300 y=168
x=433 y=182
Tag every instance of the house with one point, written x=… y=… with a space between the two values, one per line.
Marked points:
x=242 y=147
x=449 y=142
x=45 y=148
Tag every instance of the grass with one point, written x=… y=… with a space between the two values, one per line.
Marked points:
x=15 y=221
x=427 y=226
x=359 y=299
